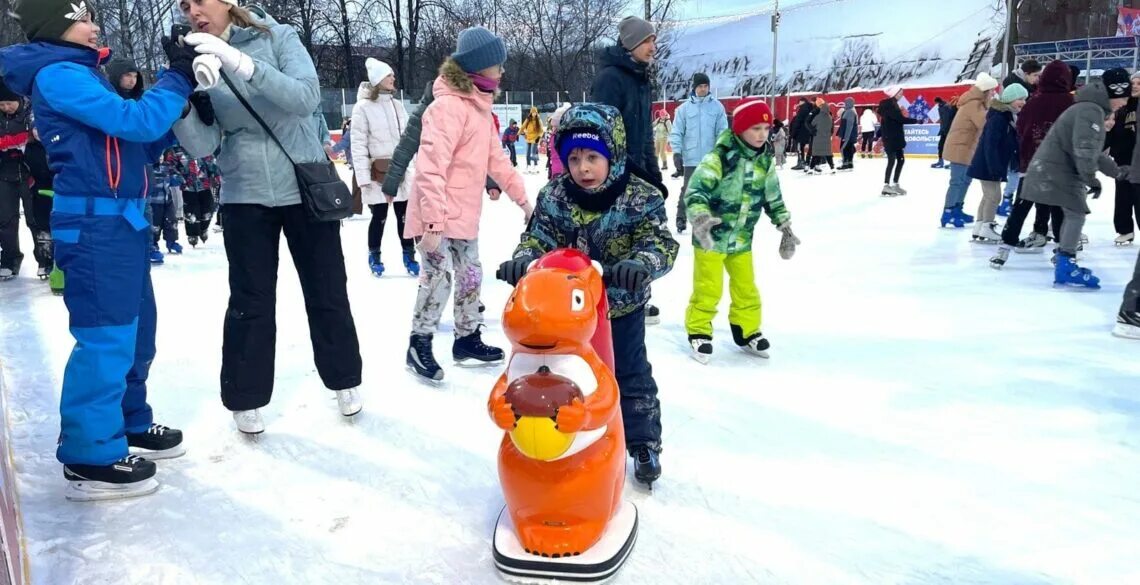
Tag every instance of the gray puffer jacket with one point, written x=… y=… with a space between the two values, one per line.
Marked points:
x=823 y=128
x=1066 y=163
x=285 y=92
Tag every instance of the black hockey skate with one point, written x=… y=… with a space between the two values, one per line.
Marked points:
x=702 y=348
x=10 y=272
x=652 y=314
x=754 y=344
x=1127 y=325
x=129 y=477
x=158 y=442
x=472 y=348
x=421 y=360
x=646 y=466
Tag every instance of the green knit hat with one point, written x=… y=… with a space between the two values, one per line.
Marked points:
x=50 y=19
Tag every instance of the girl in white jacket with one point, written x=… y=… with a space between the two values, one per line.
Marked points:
x=867 y=126
x=378 y=121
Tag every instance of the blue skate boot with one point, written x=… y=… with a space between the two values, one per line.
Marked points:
x=949 y=217
x=1005 y=207
x=966 y=218
x=1068 y=274
x=156 y=256
x=410 y=263
x=174 y=248
x=375 y=264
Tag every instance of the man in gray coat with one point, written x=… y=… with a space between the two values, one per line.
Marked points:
x=1063 y=171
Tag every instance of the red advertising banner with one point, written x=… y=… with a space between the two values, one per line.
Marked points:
x=1128 y=22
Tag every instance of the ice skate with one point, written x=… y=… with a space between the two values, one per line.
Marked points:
x=1004 y=208
x=846 y=167
x=174 y=248
x=158 y=442
x=949 y=217
x=348 y=401
x=646 y=466
x=249 y=421
x=1127 y=325
x=410 y=263
x=421 y=360
x=1125 y=239
x=1002 y=256
x=156 y=256
x=754 y=344
x=702 y=348
x=43 y=272
x=10 y=272
x=965 y=217
x=56 y=281
x=1034 y=243
x=375 y=265
x=129 y=477
x=889 y=191
x=652 y=315
x=1084 y=240
x=987 y=233
x=898 y=189
x=1068 y=275
x=470 y=350
x=193 y=240
x=938 y=165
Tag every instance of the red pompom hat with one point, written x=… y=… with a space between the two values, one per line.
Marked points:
x=749 y=114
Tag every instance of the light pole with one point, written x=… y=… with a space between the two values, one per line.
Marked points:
x=775 y=44
x=1005 y=56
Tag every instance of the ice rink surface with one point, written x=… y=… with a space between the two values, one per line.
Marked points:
x=923 y=419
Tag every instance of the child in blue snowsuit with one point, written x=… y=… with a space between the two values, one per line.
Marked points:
x=98 y=145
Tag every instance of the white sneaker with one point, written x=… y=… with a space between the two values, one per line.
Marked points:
x=349 y=402
x=249 y=422
x=702 y=349
x=987 y=232
x=1125 y=240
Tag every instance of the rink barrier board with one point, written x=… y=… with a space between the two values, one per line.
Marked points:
x=15 y=568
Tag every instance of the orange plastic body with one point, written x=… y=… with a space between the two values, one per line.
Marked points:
x=562 y=507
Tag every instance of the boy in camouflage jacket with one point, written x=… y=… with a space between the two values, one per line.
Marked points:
x=732 y=187
x=619 y=220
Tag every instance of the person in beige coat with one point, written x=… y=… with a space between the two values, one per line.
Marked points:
x=961 y=143
x=378 y=121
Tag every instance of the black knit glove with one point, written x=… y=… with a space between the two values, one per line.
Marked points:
x=1095 y=188
x=205 y=108
x=630 y=275
x=512 y=271
x=181 y=58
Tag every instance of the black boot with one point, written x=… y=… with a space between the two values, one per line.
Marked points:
x=646 y=465
x=471 y=347
x=421 y=360
x=128 y=477
x=158 y=442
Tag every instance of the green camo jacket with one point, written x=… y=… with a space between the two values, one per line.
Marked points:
x=735 y=183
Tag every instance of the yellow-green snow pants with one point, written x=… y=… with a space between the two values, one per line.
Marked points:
x=708 y=286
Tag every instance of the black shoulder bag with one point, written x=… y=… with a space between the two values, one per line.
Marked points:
x=325 y=196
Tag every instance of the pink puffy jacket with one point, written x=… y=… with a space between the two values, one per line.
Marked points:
x=458 y=149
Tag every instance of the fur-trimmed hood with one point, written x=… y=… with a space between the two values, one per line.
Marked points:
x=455 y=78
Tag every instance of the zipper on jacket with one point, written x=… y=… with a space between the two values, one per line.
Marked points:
x=114 y=180
x=745 y=206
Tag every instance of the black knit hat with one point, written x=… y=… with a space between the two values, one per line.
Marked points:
x=50 y=19
x=6 y=93
x=700 y=79
x=1117 y=82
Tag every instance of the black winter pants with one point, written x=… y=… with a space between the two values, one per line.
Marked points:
x=849 y=153
x=380 y=219
x=162 y=217
x=513 y=148
x=1127 y=212
x=1011 y=234
x=640 y=408
x=895 y=160
x=253 y=239
x=12 y=195
x=868 y=145
x=197 y=211
x=941 y=144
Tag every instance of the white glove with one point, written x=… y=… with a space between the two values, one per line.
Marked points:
x=207 y=71
x=233 y=60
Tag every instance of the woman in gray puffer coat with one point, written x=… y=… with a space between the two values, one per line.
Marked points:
x=822 y=126
x=269 y=66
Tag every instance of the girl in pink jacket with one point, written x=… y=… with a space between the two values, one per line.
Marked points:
x=459 y=147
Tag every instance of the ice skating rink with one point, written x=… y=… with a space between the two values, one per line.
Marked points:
x=923 y=419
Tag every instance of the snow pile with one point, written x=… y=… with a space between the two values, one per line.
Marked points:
x=879 y=42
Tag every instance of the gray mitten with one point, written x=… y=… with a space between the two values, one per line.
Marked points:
x=788 y=242
x=1123 y=172
x=703 y=223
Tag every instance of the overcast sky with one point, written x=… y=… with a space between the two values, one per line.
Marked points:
x=714 y=8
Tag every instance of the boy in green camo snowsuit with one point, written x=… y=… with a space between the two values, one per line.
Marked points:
x=618 y=219
x=733 y=186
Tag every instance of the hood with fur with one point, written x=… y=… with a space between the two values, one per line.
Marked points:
x=606 y=122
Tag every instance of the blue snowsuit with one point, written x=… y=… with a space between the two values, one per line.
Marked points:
x=98 y=145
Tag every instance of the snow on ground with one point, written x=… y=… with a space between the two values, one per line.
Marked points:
x=923 y=419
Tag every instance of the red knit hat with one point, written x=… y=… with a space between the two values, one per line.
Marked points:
x=749 y=114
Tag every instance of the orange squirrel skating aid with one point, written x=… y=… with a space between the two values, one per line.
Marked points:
x=560 y=498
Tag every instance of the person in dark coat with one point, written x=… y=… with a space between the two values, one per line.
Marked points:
x=15 y=133
x=623 y=82
x=801 y=133
x=894 y=139
x=946 y=112
x=995 y=156
x=1121 y=144
x=1063 y=170
x=1026 y=76
x=1054 y=96
x=848 y=133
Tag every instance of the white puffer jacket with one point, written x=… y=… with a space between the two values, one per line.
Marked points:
x=376 y=130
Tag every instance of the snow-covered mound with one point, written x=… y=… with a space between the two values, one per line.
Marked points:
x=826 y=45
